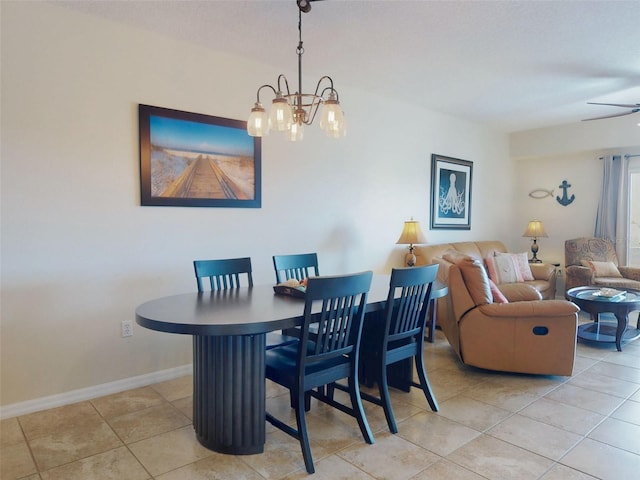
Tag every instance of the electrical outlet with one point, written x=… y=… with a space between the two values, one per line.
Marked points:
x=127 y=328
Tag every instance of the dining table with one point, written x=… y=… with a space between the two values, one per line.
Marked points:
x=229 y=329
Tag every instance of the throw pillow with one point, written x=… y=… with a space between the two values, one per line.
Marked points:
x=521 y=263
x=502 y=270
x=498 y=296
x=476 y=280
x=603 y=269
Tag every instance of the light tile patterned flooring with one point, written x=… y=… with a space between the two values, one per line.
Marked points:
x=490 y=426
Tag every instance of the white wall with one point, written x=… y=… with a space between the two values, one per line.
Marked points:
x=79 y=253
x=545 y=157
x=584 y=173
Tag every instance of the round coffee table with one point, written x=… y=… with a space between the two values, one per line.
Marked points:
x=590 y=299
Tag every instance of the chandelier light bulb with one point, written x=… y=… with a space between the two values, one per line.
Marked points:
x=258 y=123
x=296 y=132
x=338 y=129
x=332 y=118
x=280 y=115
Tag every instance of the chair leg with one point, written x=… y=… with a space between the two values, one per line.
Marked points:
x=293 y=400
x=424 y=383
x=331 y=388
x=358 y=410
x=383 y=388
x=303 y=436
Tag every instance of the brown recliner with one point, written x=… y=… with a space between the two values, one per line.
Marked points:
x=525 y=335
x=578 y=252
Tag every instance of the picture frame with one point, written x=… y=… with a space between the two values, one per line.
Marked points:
x=451 y=182
x=196 y=160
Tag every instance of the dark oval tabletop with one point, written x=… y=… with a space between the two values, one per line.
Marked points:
x=241 y=311
x=595 y=294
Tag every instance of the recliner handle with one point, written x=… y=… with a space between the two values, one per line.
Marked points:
x=540 y=330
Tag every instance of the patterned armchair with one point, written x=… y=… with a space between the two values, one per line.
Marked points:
x=593 y=261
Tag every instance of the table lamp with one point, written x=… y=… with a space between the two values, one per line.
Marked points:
x=535 y=230
x=411 y=234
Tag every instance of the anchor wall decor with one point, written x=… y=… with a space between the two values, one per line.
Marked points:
x=564 y=201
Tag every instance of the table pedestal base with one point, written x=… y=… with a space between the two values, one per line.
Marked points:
x=229 y=393
x=606 y=333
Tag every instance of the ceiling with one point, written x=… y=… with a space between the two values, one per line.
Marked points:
x=510 y=65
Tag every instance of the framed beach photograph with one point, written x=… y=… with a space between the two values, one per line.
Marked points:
x=195 y=160
x=451 y=180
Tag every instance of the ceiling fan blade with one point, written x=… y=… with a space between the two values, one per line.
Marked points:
x=616 y=104
x=614 y=115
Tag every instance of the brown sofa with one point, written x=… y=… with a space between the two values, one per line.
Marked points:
x=525 y=335
x=544 y=274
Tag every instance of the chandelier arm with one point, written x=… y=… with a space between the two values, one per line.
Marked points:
x=286 y=82
x=313 y=109
x=331 y=90
x=319 y=84
x=264 y=86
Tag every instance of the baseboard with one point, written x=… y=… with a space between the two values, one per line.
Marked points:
x=74 y=396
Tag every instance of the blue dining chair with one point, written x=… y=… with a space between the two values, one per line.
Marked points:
x=297 y=266
x=223 y=274
x=336 y=304
x=400 y=337
x=230 y=273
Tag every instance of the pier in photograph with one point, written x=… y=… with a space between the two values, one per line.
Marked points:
x=207 y=177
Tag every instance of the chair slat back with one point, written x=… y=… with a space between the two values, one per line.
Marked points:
x=298 y=266
x=406 y=314
x=339 y=323
x=223 y=274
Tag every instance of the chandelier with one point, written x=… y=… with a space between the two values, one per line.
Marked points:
x=290 y=112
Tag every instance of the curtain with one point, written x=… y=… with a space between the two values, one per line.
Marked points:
x=612 y=208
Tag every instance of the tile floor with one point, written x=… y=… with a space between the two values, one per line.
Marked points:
x=490 y=426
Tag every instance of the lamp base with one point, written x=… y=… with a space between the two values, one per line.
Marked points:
x=534 y=250
x=410 y=259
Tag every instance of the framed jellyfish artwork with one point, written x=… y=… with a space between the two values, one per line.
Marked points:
x=451 y=180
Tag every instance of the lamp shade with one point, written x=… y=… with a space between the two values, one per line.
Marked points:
x=280 y=115
x=258 y=123
x=332 y=118
x=411 y=234
x=535 y=229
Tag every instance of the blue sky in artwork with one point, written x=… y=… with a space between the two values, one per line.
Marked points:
x=200 y=137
